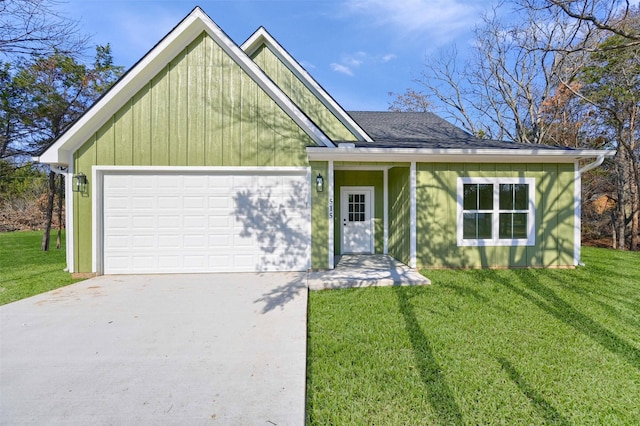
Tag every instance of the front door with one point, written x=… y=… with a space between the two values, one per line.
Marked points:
x=357 y=224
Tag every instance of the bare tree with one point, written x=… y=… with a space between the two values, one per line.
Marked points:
x=601 y=16
x=410 y=101
x=500 y=91
x=35 y=27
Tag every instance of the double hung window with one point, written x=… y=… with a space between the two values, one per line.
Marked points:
x=496 y=211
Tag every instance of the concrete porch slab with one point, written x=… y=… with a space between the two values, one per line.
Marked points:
x=365 y=270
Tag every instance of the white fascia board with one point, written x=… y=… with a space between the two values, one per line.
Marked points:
x=262 y=36
x=427 y=155
x=150 y=65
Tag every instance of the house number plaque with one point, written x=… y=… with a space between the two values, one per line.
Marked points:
x=330 y=207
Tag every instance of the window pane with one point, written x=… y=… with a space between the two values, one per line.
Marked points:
x=513 y=225
x=521 y=196
x=470 y=197
x=506 y=226
x=506 y=196
x=469 y=226
x=350 y=198
x=484 y=225
x=485 y=197
x=520 y=225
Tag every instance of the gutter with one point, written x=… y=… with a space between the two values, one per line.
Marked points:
x=57 y=168
x=593 y=165
x=480 y=155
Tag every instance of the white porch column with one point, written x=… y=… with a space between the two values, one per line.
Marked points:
x=385 y=179
x=331 y=213
x=413 y=185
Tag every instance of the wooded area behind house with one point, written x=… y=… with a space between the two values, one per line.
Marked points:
x=45 y=85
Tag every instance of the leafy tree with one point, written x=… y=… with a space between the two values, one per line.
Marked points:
x=612 y=90
x=53 y=92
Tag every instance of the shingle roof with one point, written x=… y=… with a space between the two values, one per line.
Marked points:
x=422 y=130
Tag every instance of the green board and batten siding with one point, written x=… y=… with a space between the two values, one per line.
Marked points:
x=202 y=109
x=400 y=214
x=319 y=218
x=295 y=89
x=437 y=210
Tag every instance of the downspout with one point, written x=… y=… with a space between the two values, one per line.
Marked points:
x=598 y=162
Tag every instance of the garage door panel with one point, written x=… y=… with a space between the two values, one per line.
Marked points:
x=169 y=241
x=205 y=223
x=141 y=202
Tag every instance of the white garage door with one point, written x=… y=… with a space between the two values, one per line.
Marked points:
x=168 y=223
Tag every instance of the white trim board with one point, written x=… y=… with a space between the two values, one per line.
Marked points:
x=428 y=155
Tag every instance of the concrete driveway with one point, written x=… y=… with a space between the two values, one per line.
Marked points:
x=167 y=349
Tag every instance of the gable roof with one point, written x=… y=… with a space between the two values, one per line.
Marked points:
x=262 y=38
x=60 y=152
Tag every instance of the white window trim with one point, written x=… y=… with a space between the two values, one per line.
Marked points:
x=495 y=240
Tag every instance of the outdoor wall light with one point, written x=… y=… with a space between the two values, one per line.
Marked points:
x=79 y=182
x=319 y=183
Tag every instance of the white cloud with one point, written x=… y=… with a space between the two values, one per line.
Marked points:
x=388 y=57
x=349 y=62
x=343 y=69
x=439 y=20
x=307 y=65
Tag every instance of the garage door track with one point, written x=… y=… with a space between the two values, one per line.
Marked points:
x=164 y=349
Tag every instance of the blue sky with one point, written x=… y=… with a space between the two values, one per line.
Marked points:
x=358 y=50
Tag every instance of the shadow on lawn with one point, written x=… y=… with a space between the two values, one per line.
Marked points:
x=438 y=392
x=547 y=300
x=546 y=410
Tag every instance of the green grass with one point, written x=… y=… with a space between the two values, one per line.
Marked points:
x=25 y=270
x=481 y=347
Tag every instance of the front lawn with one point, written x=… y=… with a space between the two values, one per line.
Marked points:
x=25 y=270
x=481 y=347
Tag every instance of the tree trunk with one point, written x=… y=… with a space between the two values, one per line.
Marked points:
x=621 y=217
x=49 y=212
x=60 y=197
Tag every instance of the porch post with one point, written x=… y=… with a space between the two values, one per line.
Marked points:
x=331 y=213
x=577 y=213
x=412 y=179
x=385 y=179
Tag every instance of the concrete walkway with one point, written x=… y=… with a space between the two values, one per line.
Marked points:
x=375 y=270
x=225 y=349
